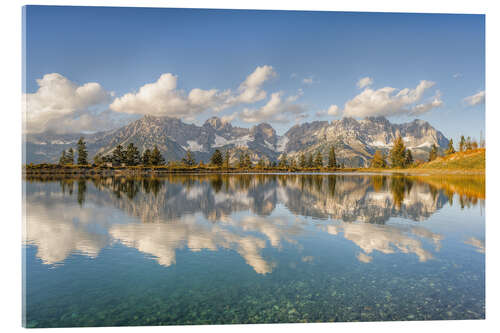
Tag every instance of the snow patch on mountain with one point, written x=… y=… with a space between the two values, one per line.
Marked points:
x=239 y=142
x=280 y=147
x=194 y=146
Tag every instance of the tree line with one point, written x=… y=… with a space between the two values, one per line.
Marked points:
x=68 y=157
x=304 y=161
x=119 y=156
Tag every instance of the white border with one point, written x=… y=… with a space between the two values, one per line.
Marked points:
x=10 y=131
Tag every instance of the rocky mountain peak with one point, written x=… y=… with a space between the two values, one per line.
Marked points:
x=264 y=129
x=216 y=123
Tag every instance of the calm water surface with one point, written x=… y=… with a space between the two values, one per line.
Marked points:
x=218 y=249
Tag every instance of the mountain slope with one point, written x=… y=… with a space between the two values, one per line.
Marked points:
x=355 y=141
x=468 y=160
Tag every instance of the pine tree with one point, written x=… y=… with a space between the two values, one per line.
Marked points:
x=227 y=159
x=98 y=159
x=261 y=163
x=318 y=160
x=409 y=158
x=378 y=160
x=450 y=150
x=132 y=155
x=332 y=159
x=156 y=157
x=248 y=161
x=118 y=156
x=433 y=153
x=462 y=144
x=82 y=152
x=189 y=159
x=398 y=153
x=293 y=163
x=63 y=158
x=302 y=161
x=216 y=158
x=241 y=161
x=283 y=162
x=468 y=143
x=146 y=157
x=310 y=161
x=70 y=157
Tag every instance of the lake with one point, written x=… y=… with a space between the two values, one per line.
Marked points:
x=252 y=248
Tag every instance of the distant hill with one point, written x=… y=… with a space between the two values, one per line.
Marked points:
x=355 y=141
x=469 y=160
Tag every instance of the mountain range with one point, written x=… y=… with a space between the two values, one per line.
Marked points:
x=355 y=141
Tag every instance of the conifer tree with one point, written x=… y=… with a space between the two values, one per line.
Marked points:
x=216 y=158
x=227 y=159
x=332 y=159
x=189 y=159
x=261 y=163
x=398 y=153
x=310 y=161
x=468 y=143
x=146 y=157
x=63 y=158
x=433 y=153
x=156 y=157
x=241 y=161
x=318 y=160
x=98 y=159
x=118 y=156
x=283 y=162
x=462 y=144
x=378 y=160
x=409 y=158
x=293 y=163
x=302 y=161
x=450 y=150
x=132 y=155
x=247 y=160
x=82 y=152
x=70 y=157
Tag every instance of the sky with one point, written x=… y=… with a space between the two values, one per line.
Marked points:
x=96 y=68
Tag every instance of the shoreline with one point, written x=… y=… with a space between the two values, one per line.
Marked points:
x=154 y=171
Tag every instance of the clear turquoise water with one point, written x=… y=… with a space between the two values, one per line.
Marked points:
x=250 y=249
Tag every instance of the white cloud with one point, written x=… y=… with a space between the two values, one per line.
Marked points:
x=425 y=107
x=389 y=101
x=364 y=82
x=475 y=99
x=457 y=75
x=333 y=110
x=275 y=110
x=308 y=80
x=59 y=103
x=163 y=98
x=250 y=90
x=228 y=118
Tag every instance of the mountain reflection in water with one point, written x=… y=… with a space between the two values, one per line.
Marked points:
x=242 y=213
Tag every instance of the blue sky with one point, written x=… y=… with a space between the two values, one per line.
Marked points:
x=303 y=63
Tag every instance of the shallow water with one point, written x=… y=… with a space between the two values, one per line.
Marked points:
x=218 y=249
